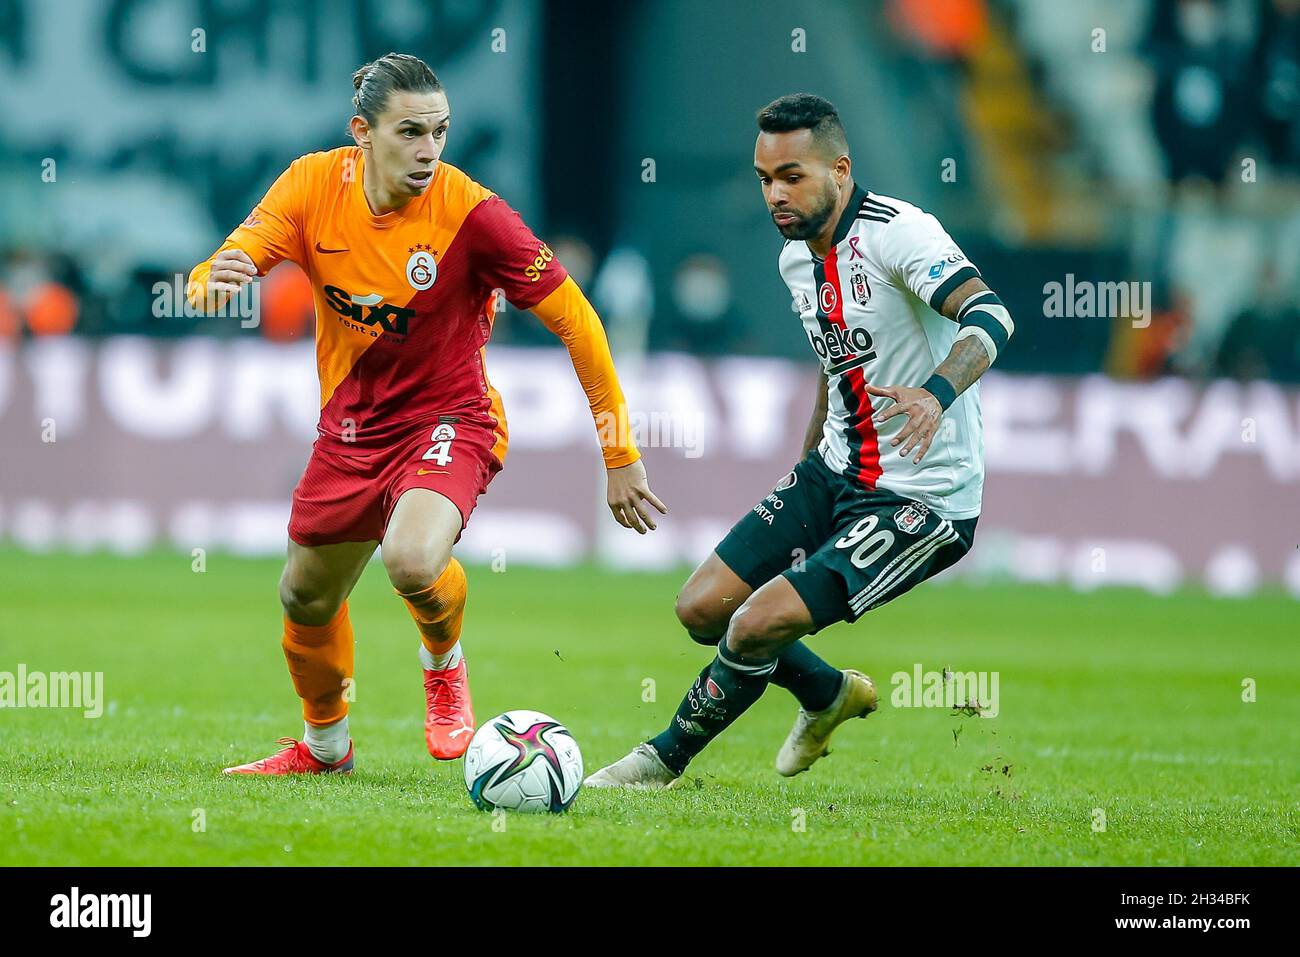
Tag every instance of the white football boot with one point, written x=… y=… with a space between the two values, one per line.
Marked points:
x=811 y=734
x=641 y=769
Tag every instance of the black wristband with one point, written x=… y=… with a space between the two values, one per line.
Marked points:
x=941 y=389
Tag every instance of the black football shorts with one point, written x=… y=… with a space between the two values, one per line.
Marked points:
x=845 y=549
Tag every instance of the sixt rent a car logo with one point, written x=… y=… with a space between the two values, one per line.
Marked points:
x=535 y=268
x=369 y=310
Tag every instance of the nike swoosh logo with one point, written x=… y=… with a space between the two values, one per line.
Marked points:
x=432 y=472
x=322 y=249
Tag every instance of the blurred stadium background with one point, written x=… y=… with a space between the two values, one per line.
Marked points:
x=1096 y=141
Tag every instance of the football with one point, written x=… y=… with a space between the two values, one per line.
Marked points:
x=523 y=761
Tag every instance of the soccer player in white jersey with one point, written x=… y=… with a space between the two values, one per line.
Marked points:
x=888 y=491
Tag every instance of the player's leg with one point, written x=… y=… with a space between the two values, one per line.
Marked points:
x=712 y=595
x=765 y=624
x=417 y=555
x=318 y=648
x=778 y=533
x=884 y=547
x=432 y=481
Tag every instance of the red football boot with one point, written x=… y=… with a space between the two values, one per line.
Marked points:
x=449 y=713
x=294 y=759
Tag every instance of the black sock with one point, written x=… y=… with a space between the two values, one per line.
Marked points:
x=720 y=695
x=810 y=679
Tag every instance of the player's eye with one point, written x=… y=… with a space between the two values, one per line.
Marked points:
x=440 y=132
x=792 y=179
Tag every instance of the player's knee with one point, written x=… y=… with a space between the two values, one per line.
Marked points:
x=753 y=632
x=760 y=629
x=413 y=569
x=699 y=619
x=307 y=604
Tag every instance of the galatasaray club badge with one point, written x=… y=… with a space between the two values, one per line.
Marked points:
x=421 y=268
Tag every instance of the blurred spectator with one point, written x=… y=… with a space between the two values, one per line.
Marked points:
x=1263 y=341
x=944 y=28
x=704 y=319
x=288 y=310
x=1200 y=104
x=1278 y=84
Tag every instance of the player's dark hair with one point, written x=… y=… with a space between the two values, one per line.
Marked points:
x=391 y=73
x=806 y=111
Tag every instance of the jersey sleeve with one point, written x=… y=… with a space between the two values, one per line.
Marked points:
x=271 y=233
x=568 y=314
x=917 y=249
x=506 y=255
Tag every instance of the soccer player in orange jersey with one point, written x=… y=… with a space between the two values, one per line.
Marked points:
x=403 y=252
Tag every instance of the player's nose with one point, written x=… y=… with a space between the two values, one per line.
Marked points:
x=426 y=151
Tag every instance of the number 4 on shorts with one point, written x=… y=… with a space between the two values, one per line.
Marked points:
x=440 y=451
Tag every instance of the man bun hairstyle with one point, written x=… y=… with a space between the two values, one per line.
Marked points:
x=806 y=111
x=391 y=73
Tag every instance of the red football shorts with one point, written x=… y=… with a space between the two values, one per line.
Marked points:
x=349 y=498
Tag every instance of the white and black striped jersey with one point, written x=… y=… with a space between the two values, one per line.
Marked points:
x=870 y=310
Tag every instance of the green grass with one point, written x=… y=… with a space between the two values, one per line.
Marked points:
x=1116 y=700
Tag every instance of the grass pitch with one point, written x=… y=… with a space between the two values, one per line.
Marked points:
x=1117 y=710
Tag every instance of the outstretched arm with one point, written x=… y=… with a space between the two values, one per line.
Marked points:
x=270 y=234
x=568 y=314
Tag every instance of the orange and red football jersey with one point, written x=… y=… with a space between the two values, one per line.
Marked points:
x=404 y=300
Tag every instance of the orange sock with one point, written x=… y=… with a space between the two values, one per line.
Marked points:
x=438 y=609
x=320 y=661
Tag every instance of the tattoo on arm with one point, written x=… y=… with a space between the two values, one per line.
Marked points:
x=965 y=363
x=813 y=436
x=968 y=359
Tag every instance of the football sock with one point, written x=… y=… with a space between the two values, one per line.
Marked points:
x=320 y=660
x=432 y=662
x=439 y=609
x=328 y=743
x=720 y=695
x=810 y=679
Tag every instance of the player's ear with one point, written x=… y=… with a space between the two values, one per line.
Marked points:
x=360 y=130
x=843 y=170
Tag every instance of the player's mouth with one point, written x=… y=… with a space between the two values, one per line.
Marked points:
x=784 y=219
x=420 y=179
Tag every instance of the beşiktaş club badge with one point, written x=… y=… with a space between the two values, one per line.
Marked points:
x=861 y=289
x=421 y=267
x=910 y=518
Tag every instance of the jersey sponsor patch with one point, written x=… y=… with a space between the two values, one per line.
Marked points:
x=911 y=517
x=787 y=482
